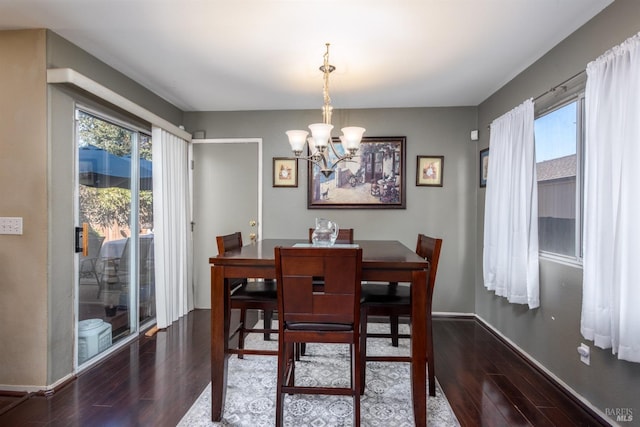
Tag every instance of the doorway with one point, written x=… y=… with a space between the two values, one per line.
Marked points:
x=227 y=197
x=116 y=291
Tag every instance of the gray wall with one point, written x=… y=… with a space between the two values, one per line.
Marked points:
x=551 y=333
x=448 y=212
x=63 y=54
x=61 y=180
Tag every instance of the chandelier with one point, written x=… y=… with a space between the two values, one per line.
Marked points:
x=324 y=152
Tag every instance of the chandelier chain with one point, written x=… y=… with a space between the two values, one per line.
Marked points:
x=326 y=70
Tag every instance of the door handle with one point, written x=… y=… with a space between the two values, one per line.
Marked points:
x=82 y=239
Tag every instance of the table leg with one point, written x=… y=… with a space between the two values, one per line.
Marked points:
x=219 y=341
x=419 y=347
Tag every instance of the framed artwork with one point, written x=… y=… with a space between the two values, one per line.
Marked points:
x=373 y=179
x=429 y=171
x=285 y=172
x=484 y=166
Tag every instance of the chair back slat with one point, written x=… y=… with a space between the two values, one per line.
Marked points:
x=337 y=302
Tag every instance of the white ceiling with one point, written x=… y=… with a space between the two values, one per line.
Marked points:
x=214 y=55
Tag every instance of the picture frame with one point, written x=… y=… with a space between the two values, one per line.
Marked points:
x=373 y=179
x=429 y=171
x=484 y=167
x=285 y=172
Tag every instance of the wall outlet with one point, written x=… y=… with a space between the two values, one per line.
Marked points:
x=585 y=354
x=10 y=225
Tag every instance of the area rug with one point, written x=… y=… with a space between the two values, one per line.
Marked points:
x=251 y=390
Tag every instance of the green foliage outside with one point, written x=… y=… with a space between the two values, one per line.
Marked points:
x=104 y=208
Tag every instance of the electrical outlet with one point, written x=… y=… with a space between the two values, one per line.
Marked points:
x=585 y=354
x=10 y=225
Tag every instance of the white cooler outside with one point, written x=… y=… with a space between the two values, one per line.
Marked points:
x=94 y=336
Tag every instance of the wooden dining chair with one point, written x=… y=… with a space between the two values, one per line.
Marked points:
x=249 y=295
x=307 y=316
x=345 y=236
x=394 y=300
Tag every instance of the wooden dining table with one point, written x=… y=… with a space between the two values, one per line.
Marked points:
x=382 y=261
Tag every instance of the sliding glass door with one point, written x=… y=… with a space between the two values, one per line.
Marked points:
x=116 y=289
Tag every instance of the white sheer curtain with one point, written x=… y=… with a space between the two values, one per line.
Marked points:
x=510 y=258
x=171 y=217
x=611 y=275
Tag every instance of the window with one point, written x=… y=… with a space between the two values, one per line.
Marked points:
x=559 y=142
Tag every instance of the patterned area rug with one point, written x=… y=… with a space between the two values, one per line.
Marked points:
x=251 y=390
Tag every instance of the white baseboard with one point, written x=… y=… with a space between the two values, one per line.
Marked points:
x=452 y=314
x=36 y=388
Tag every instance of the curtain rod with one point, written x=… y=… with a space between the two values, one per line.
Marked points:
x=554 y=88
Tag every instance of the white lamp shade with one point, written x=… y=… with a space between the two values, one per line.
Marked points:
x=352 y=137
x=321 y=133
x=297 y=138
x=312 y=144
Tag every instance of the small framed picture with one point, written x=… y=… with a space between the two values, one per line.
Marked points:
x=484 y=166
x=429 y=171
x=285 y=172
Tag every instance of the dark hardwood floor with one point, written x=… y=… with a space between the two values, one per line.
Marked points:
x=488 y=384
x=154 y=381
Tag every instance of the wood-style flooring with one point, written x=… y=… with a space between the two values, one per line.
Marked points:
x=154 y=381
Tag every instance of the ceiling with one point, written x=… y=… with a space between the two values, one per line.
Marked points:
x=226 y=55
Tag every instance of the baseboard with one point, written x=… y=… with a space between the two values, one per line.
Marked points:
x=452 y=315
x=36 y=390
x=596 y=413
x=6 y=389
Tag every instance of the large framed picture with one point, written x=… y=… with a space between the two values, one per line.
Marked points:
x=373 y=179
x=484 y=166
x=285 y=172
x=429 y=171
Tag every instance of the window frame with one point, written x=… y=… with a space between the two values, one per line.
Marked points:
x=576 y=96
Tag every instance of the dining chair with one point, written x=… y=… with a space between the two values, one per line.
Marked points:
x=306 y=316
x=89 y=264
x=345 y=236
x=255 y=294
x=117 y=271
x=114 y=266
x=145 y=271
x=394 y=300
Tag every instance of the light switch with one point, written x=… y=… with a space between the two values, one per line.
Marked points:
x=10 y=225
